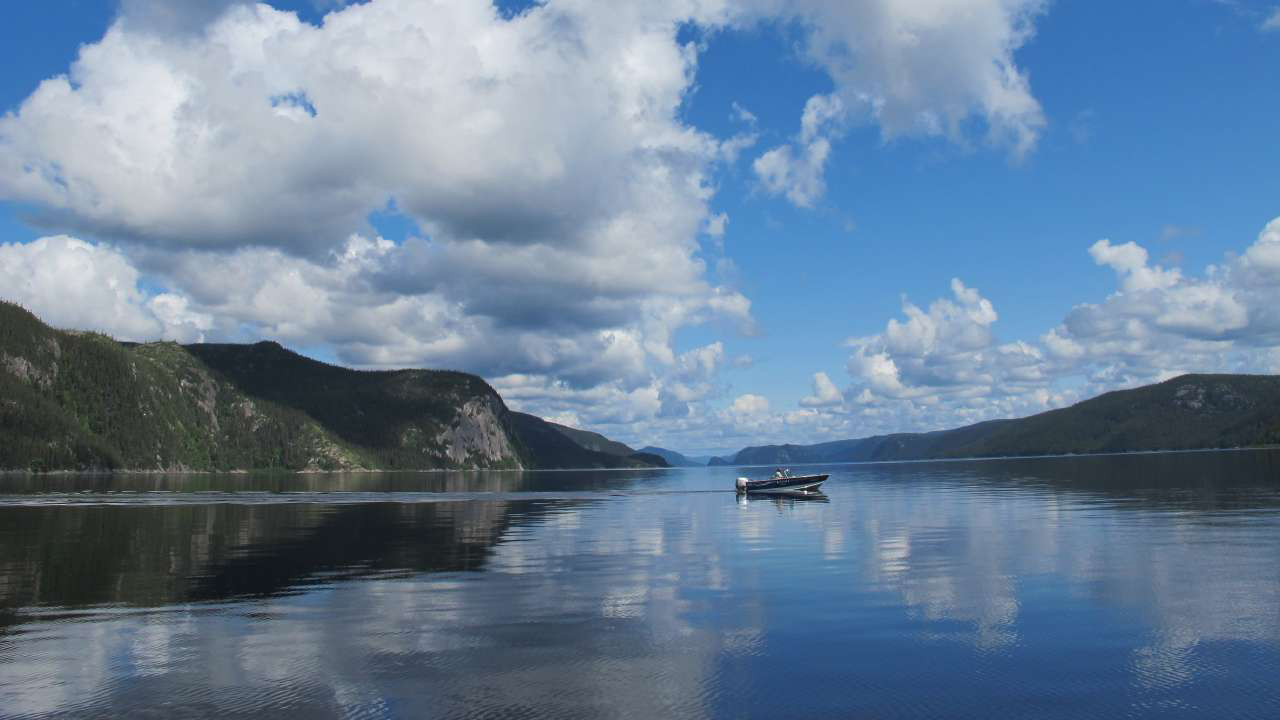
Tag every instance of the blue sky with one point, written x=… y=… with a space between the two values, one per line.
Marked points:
x=549 y=220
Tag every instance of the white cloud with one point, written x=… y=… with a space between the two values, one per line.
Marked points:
x=798 y=176
x=559 y=194
x=560 y=198
x=1130 y=261
x=927 y=67
x=914 y=69
x=749 y=405
x=1272 y=23
x=963 y=323
x=943 y=367
x=797 y=170
x=936 y=366
x=716 y=225
x=1264 y=255
x=200 y=141
x=825 y=393
x=73 y=284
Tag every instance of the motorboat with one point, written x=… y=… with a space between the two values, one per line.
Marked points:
x=782 y=481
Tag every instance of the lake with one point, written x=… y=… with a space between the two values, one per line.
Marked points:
x=1123 y=586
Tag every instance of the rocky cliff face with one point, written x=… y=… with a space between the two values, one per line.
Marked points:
x=478 y=438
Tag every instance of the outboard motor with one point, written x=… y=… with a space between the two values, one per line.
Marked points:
x=742 y=485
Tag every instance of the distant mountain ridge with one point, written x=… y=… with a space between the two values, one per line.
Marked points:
x=82 y=401
x=597 y=443
x=673 y=458
x=593 y=440
x=1189 y=412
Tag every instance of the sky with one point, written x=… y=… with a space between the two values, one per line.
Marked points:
x=699 y=224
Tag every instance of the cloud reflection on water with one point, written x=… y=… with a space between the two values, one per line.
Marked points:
x=641 y=605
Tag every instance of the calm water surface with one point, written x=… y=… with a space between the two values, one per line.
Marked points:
x=1133 y=586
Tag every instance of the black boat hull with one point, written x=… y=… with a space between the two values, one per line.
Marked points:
x=799 y=483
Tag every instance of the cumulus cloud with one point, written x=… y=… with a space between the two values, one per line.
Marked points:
x=602 y=378
x=1130 y=262
x=797 y=175
x=560 y=197
x=548 y=127
x=825 y=393
x=73 y=284
x=911 y=68
x=747 y=416
x=944 y=366
x=797 y=170
x=750 y=405
x=231 y=153
x=1162 y=321
x=926 y=68
x=1263 y=257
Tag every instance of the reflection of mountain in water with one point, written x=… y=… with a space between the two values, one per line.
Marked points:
x=458 y=481
x=1093 y=585
x=1199 y=482
x=76 y=556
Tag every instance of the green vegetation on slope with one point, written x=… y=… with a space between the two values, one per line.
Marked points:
x=558 y=449
x=593 y=440
x=1186 y=413
x=81 y=401
x=398 y=419
x=596 y=442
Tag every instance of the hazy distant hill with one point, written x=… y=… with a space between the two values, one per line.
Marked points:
x=1185 y=413
x=76 y=400
x=672 y=457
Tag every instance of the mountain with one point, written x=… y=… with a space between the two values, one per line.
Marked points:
x=673 y=458
x=593 y=441
x=557 y=449
x=597 y=443
x=82 y=401
x=1186 y=413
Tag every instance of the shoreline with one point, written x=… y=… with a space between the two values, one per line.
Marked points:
x=421 y=471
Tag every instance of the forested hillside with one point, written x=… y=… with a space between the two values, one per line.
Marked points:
x=1186 y=413
x=78 y=401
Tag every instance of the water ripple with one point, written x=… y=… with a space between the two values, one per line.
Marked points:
x=1055 y=588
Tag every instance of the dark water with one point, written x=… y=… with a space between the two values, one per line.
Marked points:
x=1135 y=586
